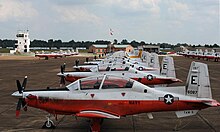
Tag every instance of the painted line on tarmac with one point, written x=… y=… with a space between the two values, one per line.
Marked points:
x=58 y=123
x=13 y=106
x=202 y=118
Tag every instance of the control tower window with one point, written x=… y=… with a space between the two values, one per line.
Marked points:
x=20 y=35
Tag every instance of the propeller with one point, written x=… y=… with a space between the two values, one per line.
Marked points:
x=21 y=100
x=62 y=78
x=62 y=68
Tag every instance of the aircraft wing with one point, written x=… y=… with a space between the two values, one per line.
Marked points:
x=97 y=114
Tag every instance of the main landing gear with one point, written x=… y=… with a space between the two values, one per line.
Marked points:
x=95 y=125
x=49 y=123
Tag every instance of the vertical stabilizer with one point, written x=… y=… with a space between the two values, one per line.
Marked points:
x=167 y=67
x=198 y=84
x=154 y=61
x=146 y=57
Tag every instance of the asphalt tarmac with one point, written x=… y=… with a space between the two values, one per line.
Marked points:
x=42 y=73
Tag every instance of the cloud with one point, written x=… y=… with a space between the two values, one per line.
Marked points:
x=12 y=9
x=76 y=14
x=140 y=5
x=180 y=11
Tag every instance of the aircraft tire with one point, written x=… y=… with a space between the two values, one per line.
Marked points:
x=48 y=125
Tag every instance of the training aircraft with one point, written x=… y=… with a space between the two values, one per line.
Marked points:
x=112 y=97
x=167 y=75
x=148 y=62
x=59 y=54
x=49 y=55
x=199 y=54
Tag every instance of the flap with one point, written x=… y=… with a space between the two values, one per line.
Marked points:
x=97 y=114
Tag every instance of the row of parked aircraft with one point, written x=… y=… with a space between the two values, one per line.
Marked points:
x=60 y=54
x=118 y=86
x=199 y=54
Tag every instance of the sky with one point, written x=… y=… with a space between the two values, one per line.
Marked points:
x=155 y=21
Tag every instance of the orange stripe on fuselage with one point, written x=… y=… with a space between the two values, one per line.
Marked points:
x=155 y=81
x=118 y=107
x=145 y=81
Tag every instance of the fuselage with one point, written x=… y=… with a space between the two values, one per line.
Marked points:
x=119 y=102
x=147 y=78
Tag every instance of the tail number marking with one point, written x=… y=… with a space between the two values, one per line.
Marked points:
x=192 y=92
x=194 y=80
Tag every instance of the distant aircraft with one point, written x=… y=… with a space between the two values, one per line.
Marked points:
x=148 y=62
x=167 y=75
x=55 y=55
x=49 y=55
x=112 y=97
x=199 y=54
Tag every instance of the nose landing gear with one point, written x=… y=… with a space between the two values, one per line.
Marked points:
x=49 y=123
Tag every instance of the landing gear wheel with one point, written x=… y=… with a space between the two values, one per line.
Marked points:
x=48 y=125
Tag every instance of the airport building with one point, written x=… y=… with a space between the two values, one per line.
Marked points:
x=22 y=42
x=102 y=49
x=150 y=48
x=98 y=49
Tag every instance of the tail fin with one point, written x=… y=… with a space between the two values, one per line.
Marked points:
x=154 y=61
x=167 y=67
x=145 y=56
x=140 y=54
x=198 y=84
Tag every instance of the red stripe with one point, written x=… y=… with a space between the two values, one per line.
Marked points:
x=119 y=107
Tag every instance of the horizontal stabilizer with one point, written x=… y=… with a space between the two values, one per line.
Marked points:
x=97 y=114
x=186 y=113
x=212 y=103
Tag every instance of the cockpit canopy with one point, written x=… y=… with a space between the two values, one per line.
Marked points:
x=101 y=82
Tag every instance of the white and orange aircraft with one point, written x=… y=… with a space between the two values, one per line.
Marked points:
x=146 y=62
x=59 y=54
x=167 y=75
x=46 y=56
x=112 y=97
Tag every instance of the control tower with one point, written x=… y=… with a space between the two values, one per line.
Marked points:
x=22 y=42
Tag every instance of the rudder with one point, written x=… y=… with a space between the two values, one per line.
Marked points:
x=198 y=84
x=167 y=67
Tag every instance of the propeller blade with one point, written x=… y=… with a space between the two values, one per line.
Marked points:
x=64 y=67
x=24 y=83
x=18 y=108
x=61 y=69
x=19 y=86
x=23 y=103
x=62 y=80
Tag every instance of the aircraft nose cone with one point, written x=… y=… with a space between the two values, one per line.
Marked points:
x=16 y=94
x=60 y=74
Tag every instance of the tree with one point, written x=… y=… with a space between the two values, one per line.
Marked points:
x=115 y=41
x=50 y=43
x=124 y=41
